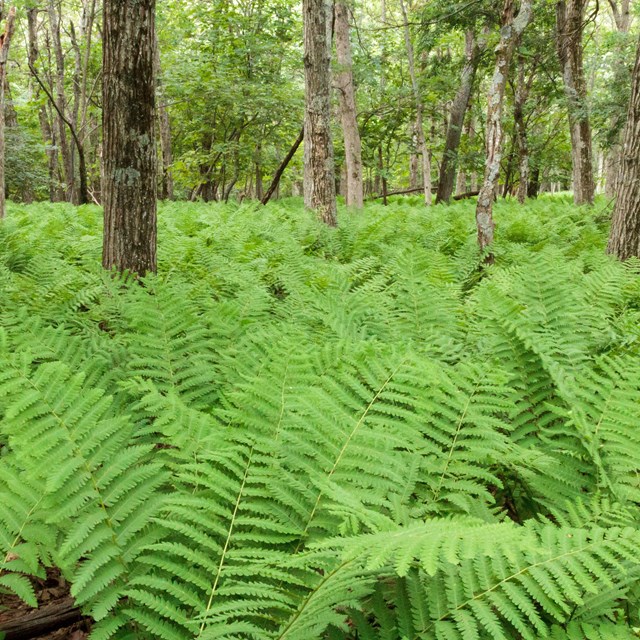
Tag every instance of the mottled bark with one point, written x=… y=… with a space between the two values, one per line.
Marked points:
x=419 y=127
x=449 y=164
x=510 y=33
x=319 y=170
x=5 y=42
x=347 y=99
x=624 y=239
x=570 y=18
x=128 y=122
x=622 y=19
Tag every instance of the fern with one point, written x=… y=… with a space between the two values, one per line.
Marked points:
x=297 y=432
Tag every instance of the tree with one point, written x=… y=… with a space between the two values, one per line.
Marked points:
x=319 y=170
x=5 y=43
x=570 y=19
x=624 y=240
x=419 y=125
x=448 y=167
x=347 y=99
x=128 y=122
x=512 y=29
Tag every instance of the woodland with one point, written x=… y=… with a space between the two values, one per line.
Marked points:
x=320 y=319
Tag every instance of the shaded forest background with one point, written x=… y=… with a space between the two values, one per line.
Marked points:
x=230 y=96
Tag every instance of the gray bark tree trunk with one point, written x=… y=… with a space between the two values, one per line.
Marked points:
x=319 y=169
x=5 y=42
x=570 y=18
x=459 y=107
x=422 y=143
x=348 y=112
x=624 y=238
x=512 y=29
x=128 y=121
x=622 y=19
x=621 y=14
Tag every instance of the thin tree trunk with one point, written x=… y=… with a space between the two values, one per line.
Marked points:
x=61 y=102
x=523 y=88
x=510 y=33
x=164 y=124
x=281 y=169
x=319 y=169
x=449 y=163
x=83 y=191
x=383 y=179
x=534 y=183
x=570 y=17
x=348 y=112
x=621 y=14
x=624 y=239
x=422 y=144
x=258 y=163
x=45 y=127
x=5 y=43
x=414 y=160
x=128 y=120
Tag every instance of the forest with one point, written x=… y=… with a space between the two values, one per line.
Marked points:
x=319 y=319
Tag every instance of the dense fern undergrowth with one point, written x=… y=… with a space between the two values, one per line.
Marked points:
x=296 y=432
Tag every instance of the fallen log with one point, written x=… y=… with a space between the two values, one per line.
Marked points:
x=403 y=192
x=40 y=621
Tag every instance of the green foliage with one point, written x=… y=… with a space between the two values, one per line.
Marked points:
x=297 y=432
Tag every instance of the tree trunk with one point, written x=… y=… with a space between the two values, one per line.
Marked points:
x=348 y=112
x=523 y=88
x=414 y=160
x=624 y=239
x=509 y=35
x=164 y=124
x=5 y=43
x=61 y=102
x=128 y=123
x=422 y=144
x=449 y=163
x=570 y=17
x=621 y=14
x=383 y=179
x=45 y=127
x=258 y=164
x=319 y=169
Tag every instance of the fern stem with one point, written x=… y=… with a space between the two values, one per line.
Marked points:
x=345 y=446
x=227 y=541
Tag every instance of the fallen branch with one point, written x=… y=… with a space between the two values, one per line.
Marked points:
x=460 y=196
x=40 y=621
x=283 y=165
